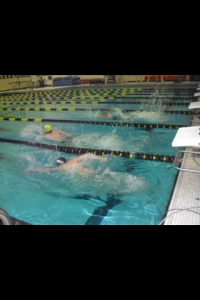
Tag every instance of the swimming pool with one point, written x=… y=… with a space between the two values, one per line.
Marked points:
x=120 y=191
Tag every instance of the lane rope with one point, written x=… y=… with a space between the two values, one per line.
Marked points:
x=91 y=109
x=75 y=150
x=99 y=97
x=137 y=125
x=146 y=89
x=90 y=102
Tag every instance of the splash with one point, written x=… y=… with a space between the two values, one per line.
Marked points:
x=96 y=140
x=32 y=131
x=154 y=103
x=151 y=116
x=153 y=111
x=103 y=183
x=92 y=114
x=32 y=162
x=100 y=184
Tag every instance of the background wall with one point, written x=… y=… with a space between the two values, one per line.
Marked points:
x=14 y=82
x=50 y=81
x=132 y=78
x=10 y=82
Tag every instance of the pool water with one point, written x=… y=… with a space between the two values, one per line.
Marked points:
x=97 y=136
x=61 y=198
x=119 y=191
x=57 y=198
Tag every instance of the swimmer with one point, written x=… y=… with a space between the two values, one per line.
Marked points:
x=123 y=117
x=73 y=165
x=1 y=156
x=55 y=134
x=106 y=116
x=3 y=129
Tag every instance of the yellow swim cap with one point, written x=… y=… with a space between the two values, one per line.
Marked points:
x=47 y=128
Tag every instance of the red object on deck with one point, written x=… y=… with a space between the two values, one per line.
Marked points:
x=165 y=77
x=91 y=80
x=179 y=160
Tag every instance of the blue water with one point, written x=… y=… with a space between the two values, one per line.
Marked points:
x=119 y=191
x=146 y=117
x=98 y=137
x=140 y=187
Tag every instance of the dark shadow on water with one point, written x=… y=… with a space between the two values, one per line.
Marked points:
x=101 y=212
x=3 y=129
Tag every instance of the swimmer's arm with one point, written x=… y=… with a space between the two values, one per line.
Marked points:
x=90 y=156
x=111 y=108
x=104 y=114
x=27 y=171
x=65 y=133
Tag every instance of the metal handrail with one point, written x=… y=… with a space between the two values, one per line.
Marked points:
x=193 y=120
x=5 y=218
x=182 y=169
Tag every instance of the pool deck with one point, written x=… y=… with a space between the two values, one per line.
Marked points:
x=184 y=205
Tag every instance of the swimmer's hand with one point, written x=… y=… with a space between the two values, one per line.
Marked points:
x=28 y=171
x=103 y=159
x=90 y=156
x=65 y=133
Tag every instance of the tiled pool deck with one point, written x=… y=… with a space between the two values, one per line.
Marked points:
x=184 y=207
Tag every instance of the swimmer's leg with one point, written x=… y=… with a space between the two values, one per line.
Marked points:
x=87 y=197
x=116 y=118
x=148 y=129
x=84 y=197
x=68 y=137
x=67 y=140
x=3 y=129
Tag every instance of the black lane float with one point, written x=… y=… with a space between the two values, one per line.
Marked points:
x=137 y=125
x=75 y=150
x=93 y=109
x=91 y=102
x=136 y=97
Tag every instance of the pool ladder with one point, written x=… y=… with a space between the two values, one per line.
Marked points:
x=182 y=169
x=5 y=218
x=187 y=151
x=192 y=120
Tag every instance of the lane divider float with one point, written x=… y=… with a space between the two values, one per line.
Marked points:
x=79 y=151
x=137 y=125
x=99 y=97
x=84 y=109
x=90 y=102
x=179 y=90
